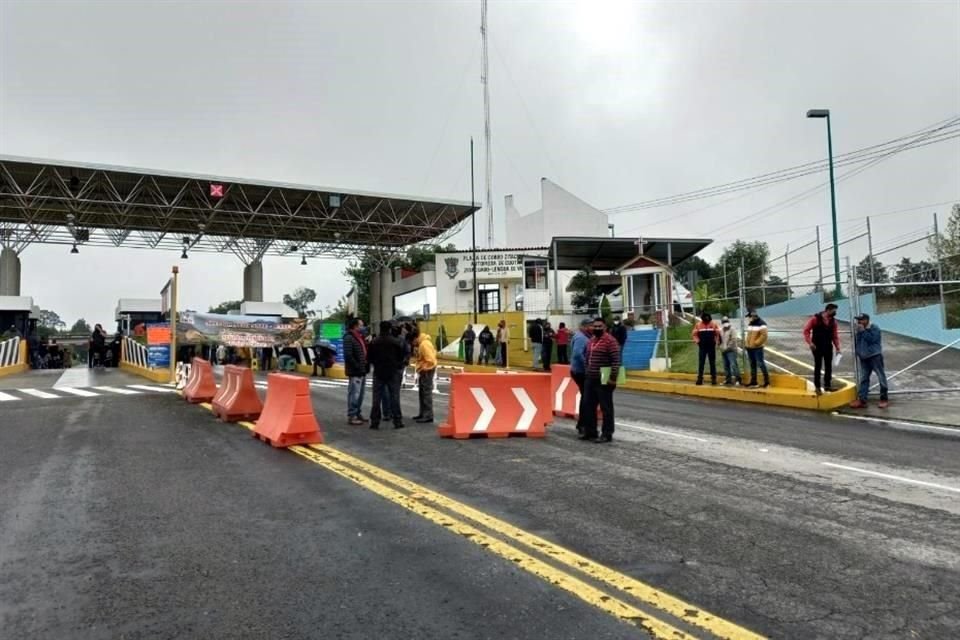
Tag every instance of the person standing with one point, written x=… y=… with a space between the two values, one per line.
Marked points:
x=503 y=341
x=603 y=360
x=754 y=343
x=822 y=335
x=487 y=347
x=98 y=343
x=469 y=337
x=356 y=366
x=730 y=348
x=869 y=348
x=386 y=358
x=535 y=333
x=706 y=334
x=619 y=332
x=563 y=344
x=548 y=337
x=578 y=367
x=426 y=369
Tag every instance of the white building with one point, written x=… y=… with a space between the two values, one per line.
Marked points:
x=549 y=246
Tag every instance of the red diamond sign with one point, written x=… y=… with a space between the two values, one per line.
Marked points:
x=216 y=190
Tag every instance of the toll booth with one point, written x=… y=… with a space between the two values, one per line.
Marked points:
x=134 y=312
x=19 y=312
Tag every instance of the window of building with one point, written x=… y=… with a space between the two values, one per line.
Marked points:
x=489 y=297
x=535 y=274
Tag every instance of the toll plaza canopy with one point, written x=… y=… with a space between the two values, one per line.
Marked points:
x=609 y=254
x=65 y=203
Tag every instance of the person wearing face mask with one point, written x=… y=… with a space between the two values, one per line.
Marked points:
x=730 y=348
x=603 y=369
x=619 y=332
x=822 y=335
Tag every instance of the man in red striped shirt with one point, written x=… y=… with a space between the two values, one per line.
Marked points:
x=602 y=352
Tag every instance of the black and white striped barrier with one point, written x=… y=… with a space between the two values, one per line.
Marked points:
x=10 y=352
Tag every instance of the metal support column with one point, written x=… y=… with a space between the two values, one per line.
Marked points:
x=937 y=242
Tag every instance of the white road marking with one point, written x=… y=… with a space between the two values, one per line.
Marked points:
x=558 y=399
x=118 y=391
x=661 y=432
x=83 y=393
x=147 y=387
x=39 y=394
x=900 y=423
x=6 y=397
x=487 y=410
x=529 y=409
x=889 y=476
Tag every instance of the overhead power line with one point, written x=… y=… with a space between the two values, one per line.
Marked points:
x=941 y=131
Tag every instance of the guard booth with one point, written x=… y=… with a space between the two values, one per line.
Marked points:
x=134 y=314
x=19 y=312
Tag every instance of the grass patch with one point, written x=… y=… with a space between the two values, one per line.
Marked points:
x=683 y=351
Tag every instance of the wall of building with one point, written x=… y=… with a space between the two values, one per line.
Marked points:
x=561 y=214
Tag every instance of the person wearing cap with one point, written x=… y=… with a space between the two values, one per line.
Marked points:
x=578 y=366
x=730 y=348
x=869 y=349
x=754 y=342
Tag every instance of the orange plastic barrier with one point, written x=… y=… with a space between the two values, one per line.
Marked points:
x=287 y=418
x=565 y=393
x=237 y=398
x=201 y=385
x=497 y=406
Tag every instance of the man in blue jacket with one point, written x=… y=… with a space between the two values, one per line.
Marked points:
x=869 y=348
x=578 y=366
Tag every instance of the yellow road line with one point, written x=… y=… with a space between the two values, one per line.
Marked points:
x=589 y=594
x=648 y=594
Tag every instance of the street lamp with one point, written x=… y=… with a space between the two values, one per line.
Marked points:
x=825 y=113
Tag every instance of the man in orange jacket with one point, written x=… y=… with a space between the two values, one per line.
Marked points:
x=707 y=335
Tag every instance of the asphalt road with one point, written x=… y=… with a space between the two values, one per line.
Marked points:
x=141 y=516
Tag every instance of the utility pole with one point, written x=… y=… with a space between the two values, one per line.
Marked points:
x=488 y=159
x=473 y=234
x=873 y=276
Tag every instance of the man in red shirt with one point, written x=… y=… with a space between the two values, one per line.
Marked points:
x=563 y=342
x=602 y=352
x=823 y=336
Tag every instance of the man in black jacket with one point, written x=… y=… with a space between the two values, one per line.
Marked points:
x=356 y=366
x=386 y=357
x=469 y=337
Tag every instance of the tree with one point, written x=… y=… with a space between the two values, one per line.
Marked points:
x=51 y=320
x=227 y=306
x=338 y=313
x=606 y=311
x=696 y=264
x=300 y=301
x=585 y=287
x=753 y=256
x=871 y=276
x=80 y=327
x=776 y=290
x=946 y=246
x=909 y=271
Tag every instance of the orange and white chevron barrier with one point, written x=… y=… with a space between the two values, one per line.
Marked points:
x=565 y=393
x=287 y=418
x=237 y=398
x=498 y=406
x=201 y=385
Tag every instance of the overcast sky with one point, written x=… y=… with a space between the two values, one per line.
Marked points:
x=619 y=102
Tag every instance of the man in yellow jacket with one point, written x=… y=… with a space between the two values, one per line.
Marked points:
x=754 y=343
x=426 y=355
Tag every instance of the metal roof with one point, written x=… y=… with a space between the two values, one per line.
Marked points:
x=609 y=254
x=64 y=203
